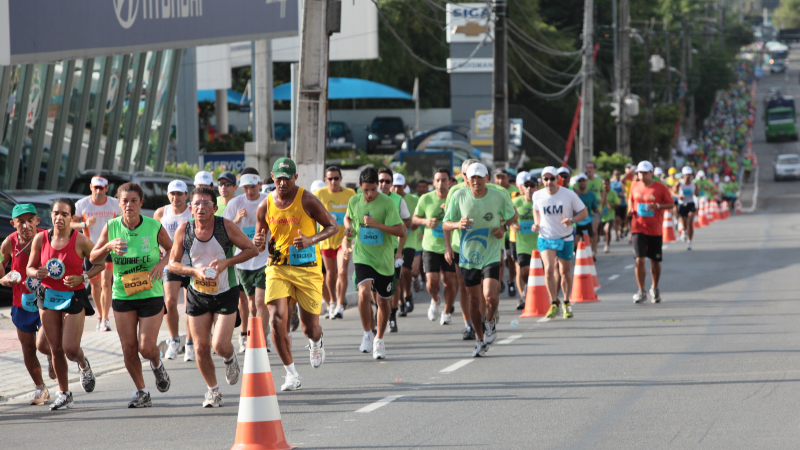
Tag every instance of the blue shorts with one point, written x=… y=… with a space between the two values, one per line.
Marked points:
x=25 y=321
x=417 y=253
x=564 y=249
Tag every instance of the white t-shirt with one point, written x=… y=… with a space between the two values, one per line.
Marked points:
x=555 y=208
x=86 y=208
x=248 y=226
x=688 y=191
x=170 y=221
x=404 y=213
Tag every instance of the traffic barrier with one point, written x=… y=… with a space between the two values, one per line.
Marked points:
x=703 y=213
x=588 y=243
x=738 y=206
x=537 y=302
x=668 y=227
x=582 y=285
x=715 y=209
x=259 y=425
x=725 y=212
x=710 y=211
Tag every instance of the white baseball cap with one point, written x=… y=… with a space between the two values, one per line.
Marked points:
x=522 y=177
x=549 y=170
x=580 y=176
x=398 y=179
x=204 y=178
x=644 y=166
x=563 y=170
x=249 y=179
x=177 y=186
x=317 y=184
x=658 y=172
x=727 y=179
x=477 y=170
x=407 y=190
x=686 y=170
x=98 y=181
x=700 y=174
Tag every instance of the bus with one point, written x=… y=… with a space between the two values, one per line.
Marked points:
x=779 y=118
x=778 y=55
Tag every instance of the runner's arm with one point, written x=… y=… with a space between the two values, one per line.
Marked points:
x=239 y=239
x=584 y=213
x=100 y=252
x=159 y=214
x=398 y=230
x=261 y=225
x=35 y=259
x=176 y=256
x=316 y=210
x=5 y=255
x=401 y=243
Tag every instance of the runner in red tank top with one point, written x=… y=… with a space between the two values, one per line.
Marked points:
x=56 y=259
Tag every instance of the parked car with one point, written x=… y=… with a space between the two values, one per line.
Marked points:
x=339 y=137
x=41 y=200
x=23 y=168
x=458 y=158
x=154 y=185
x=464 y=149
x=787 y=166
x=385 y=135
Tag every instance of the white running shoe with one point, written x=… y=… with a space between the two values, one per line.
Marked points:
x=446 y=319
x=188 y=354
x=480 y=349
x=172 y=348
x=232 y=370
x=242 y=343
x=379 y=351
x=490 y=332
x=366 y=342
x=41 y=396
x=292 y=383
x=433 y=311
x=317 y=353
x=213 y=399
x=688 y=245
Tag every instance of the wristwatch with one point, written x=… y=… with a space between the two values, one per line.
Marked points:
x=85 y=278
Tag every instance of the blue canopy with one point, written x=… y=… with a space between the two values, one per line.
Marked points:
x=348 y=88
x=209 y=95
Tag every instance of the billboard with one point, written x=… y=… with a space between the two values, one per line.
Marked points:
x=468 y=22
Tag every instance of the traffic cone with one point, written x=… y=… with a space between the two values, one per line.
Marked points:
x=582 y=285
x=259 y=426
x=668 y=227
x=710 y=211
x=537 y=302
x=588 y=243
x=715 y=209
x=726 y=212
x=738 y=206
x=704 y=214
x=696 y=221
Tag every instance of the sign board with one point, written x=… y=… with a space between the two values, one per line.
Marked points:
x=33 y=31
x=474 y=65
x=231 y=160
x=483 y=128
x=468 y=22
x=423 y=165
x=515 y=132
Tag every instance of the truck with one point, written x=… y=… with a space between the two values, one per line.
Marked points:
x=779 y=118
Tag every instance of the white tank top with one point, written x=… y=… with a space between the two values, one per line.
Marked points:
x=170 y=221
x=218 y=247
x=688 y=191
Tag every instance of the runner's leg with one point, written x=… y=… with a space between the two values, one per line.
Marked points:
x=148 y=339
x=263 y=312
x=310 y=324
x=522 y=281
x=171 y=293
x=96 y=285
x=53 y=323
x=201 y=329
x=491 y=289
x=641 y=272
x=343 y=263
x=551 y=277
x=474 y=293
x=331 y=278
x=244 y=312
x=28 y=343
x=450 y=290
x=71 y=338
x=433 y=286
x=463 y=299
x=565 y=270
x=279 y=316
x=655 y=272
x=221 y=340
x=127 y=327
x=107 y=276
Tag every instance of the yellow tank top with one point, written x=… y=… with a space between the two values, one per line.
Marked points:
x=285 y=225
x=336 y=204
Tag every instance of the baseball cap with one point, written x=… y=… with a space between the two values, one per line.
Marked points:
x=23 y=208
x=628 y=166
x=700 y=174
x=398 y=179
x=317 y=184
x=672 y=171
x=644 y=166
x=581 y=176
x=227 y=176
x=177 y=186
x=204 y=178
x=512 y=172
x=500 y=171
x=522 y=177
x=563 y=170
x=477 y=170
x=727 y=179
x=686 y=170
x=549 y=170
x=658 y=172
x=249 y=179
x=284 y=168
x=98 y=181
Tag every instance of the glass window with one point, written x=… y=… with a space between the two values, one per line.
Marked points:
x=56 y=100
x=32 y=118
x=114 y=87
x=159 y=121
x=10 y=117
x=146 y=88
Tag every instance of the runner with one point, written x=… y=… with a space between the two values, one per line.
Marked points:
x=171 y=217
x=204 y=178
x=56 y=260
x=556 y=209
x=479 y=212
x=422 y=187
x=133 y=242
x=92 y=213
x=294 y=273
x=430 y=214
x=335 y=198
x=24 y=312
x=523 y=231
x=212 y=293
x=595 y=184
x=242 y=211
x=226 y=184
x=563 y=177
x=685 y=190
x=501 y=178
x=608 y=203
x=621 y=214
x=591 y=202
x=411 y=246
x=385 y=181
x=648 y=200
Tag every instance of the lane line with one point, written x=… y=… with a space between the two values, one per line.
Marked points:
x=379 y=404
x=510 y=339
x=613 y=277
x=456 y=366
x=630 y=267
x=664 y=247
x=543 y=319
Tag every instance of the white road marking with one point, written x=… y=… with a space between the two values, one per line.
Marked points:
x=613 y=277
x=510 y=339
x=543 y=319
x=456 y=366
x=380 y=403
x=630 y=267
x=664 y=247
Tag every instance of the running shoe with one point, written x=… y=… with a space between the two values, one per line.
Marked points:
x=402 y=311
x=232 y=370
x=51 y=370
x=433 y=311
x=480 y=349
x=188 y=353
x=87 y=377
x=567 y=311
x=379 y=349
x=521 y=305
x=489 y=332
x=339 y=313
x=416 y=285
x=292 y=382
x=688 y=245
x=656 y=294
x=512 y=290
x=497 y=315
x=173 y=345
x=502 y=287
x=107 y=325
x=296 y=318
x=366 y=342
x=63 y=401
x=392 y=325
x=640 y=296
x=552 y=312
x=409 y=304
x=41 y=396
x=446 y=319
x=140 y=399
x=605 y=249
x=242 y=343
x=162 y=378
x=99 y=325
x=213 y=399
x=468 y=334
x=317 y=353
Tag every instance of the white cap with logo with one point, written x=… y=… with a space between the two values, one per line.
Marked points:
x=477 y=170
x=644 y=166
x=204 y=178
x=522 y=177
x=550 y=170
x=98 y=181
x=563 y=170
x=317 y=185
x=580 y=176
x=249 y=179
x=658 y=172
x=398 y=180
x=686 y=170
x=177 y=186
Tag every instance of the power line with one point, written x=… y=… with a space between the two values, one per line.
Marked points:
x=551 y=96
x=533 y=69
x=544 y=67
x=514 y=28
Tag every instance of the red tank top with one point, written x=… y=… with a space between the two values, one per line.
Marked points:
x=60 y=263
x=19 y=262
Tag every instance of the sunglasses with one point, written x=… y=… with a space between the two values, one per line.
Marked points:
x=529 y=185
x=334 y=178
x=225 y=184
x=548 y=178
x=98 y=187
x=384 y=181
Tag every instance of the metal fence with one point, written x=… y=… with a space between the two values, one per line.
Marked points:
x=538 y=139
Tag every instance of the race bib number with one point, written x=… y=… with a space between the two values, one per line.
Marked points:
x=438 y=232
x=339 y=216
x=207 y=287
x=250 y=232
x=29 y=302
x=525 y=226
x=302 y=257
x=642 y=211
x=57 y=300
x=687 y=193
x=370 y=236
x=133 y=283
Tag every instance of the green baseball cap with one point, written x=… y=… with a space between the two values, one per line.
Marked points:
x=23 y=208
x=284 y=167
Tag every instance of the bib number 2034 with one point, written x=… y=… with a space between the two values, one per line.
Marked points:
x=134 y=283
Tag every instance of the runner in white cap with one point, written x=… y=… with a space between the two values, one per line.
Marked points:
x=403 y=291
x=92 y=213
x=203 y=178
x=563 y=176
x=685 y=190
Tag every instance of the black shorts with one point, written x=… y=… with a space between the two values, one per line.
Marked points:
x=622 y=211
x=647 y=246
x=507 y=243
x=684 y=210
x=172 y=277
x=381 y=284
x=523 y=260
x=512 y=250
x=80 y=302
x=145 y=307
x=408 y=257
x=473 y=277
x=198 y=303
x=87 y=265
x=433 y=262
x=581 y=228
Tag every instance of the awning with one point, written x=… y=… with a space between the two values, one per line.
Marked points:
x=348 y=88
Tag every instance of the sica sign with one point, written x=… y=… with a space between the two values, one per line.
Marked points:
x=468 y=22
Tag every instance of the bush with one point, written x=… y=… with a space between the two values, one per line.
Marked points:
x=228 y=142
x=606 y=164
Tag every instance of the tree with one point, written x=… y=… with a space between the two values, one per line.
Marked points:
x=788 y=14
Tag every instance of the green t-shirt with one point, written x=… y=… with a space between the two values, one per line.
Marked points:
x=455 y=236
x=414 y=238
x=609 y=210
x=526 y=240
x=396 y=199
x=430 y=207
x=595 y=185
x=478 y=246
x=221 y=205
x=143 y=253
x=373 y=247
x=512 y=189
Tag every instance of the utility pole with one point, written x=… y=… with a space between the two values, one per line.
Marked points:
x=615 y=35
x=261 y=157
x=623 y=126
x=500 y=81
x=648 y=89
x=586 y=138
x=667 y=51
x=684 y=84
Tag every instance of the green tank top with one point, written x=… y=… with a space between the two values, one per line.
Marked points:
x=142 y=255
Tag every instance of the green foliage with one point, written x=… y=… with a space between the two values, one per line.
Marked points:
x=606 y=164
x=190 y=170
x=534 y=163
x=788 y=14
x=360 y=158
x=229 y=142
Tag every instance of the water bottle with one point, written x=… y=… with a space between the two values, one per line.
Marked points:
x=514 y=323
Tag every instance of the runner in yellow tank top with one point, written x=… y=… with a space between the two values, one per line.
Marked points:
x=294 y=270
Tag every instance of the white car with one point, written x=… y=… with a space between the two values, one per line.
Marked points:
x=787 y=166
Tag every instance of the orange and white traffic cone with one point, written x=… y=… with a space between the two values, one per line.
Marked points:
x=738 y=206
x=588 y=243
x=716 y=211
x=696 y=221
x=582 y=285
x=726 y=212
x=668 y=227
x=537 y=302
x=259 y=426
x=710 y=211
x=703 y=213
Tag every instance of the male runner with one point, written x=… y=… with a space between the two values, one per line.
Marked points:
x=372 y=218
x=294 y=273
x=92 y=213
x=422 y=188
x=204 y=178
x=430 y=214
x=685 y=190
x=479 y=212
x=24 y=312
x=563 y=177
x=556 y=209
x=525 y=237
x=595 y=184
x=209 y=241
x=622 y=210
x=648 y=200
x=608 y=203
x=411 y=246
x=591 y=202
x=226 y=183
x=385 y=181
x=335 y=198
x=501 y=178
